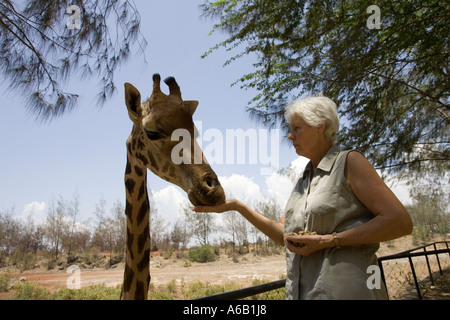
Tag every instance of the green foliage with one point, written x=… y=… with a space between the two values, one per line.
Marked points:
x=391 y=84
x=278 y=294
x=38 y=51
x=167 y=253
x=430 y=208
x=94 y=292
x=200 y=289
x=4 y=282
x=169 y=291
x=188 y=291
x=205 y=253
x=160 y=295
x=430 y=216
x=31 y=291
x=23 y=260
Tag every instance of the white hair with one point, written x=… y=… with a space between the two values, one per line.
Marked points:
x=316 y=111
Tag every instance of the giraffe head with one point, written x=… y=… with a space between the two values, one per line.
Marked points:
x=150 y=142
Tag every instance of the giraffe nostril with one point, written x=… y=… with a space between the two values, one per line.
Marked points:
x=209 y=183
x=207 y=191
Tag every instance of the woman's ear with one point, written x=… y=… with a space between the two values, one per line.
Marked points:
x=322 y=127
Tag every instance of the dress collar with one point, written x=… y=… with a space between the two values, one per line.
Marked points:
x=327 y=162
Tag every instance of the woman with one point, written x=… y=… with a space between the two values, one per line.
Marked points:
x=342 y=199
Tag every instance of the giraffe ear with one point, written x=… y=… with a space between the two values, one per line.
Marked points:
x=133 y=101
x=192 y=105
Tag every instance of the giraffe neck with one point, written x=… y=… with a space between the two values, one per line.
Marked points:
x=137 y=208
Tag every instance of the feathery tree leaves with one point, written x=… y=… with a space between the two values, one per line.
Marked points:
x=43 y=44
x=391 y=84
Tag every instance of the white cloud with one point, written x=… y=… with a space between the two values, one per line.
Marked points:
x=169 y=202
x=279 y=188
x=299 y=164
x=401 y=190
x=34 y=210
x=241 y=187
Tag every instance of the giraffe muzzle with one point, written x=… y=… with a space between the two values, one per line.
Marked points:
x=207 y=191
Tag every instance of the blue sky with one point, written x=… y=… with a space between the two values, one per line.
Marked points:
x=84 y=151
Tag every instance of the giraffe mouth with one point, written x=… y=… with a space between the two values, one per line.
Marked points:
x=193 y=199
x=200 y=201
x=207 y=193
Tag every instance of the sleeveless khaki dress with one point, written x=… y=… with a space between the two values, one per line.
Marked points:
x=324 y=203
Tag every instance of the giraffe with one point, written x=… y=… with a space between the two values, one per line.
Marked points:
x=150 y=146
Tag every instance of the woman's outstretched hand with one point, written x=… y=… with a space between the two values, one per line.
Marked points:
x=228 y=205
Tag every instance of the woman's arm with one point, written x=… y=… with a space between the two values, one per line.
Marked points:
x=391 y=219
x=273 y=229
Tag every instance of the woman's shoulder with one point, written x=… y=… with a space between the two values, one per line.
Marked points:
x=352 y=155
x=355 y=157
x=349 y=159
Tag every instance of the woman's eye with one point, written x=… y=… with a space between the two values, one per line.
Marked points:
x=154 y=135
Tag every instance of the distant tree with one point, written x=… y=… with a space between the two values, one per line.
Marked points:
x=231 y=225
x=236 y=226
x=101 y=236
x=56 y=225
x=179 y=235
x=109 y=228
x=119 y=226
x=158 y=227
x=9 y=229
x=73 y=210
x=81 y=238
x=43 y=44
x=386 y=66
x=31 y=236
x=430 y=210
x=270 y=209
x=200 y=225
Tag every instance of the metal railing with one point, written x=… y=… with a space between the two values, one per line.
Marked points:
x=247 y=292
x=403 y=278
x=424 y=265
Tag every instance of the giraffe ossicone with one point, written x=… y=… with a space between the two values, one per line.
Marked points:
x=150 y=146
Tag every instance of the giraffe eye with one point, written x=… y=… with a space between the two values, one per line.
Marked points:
x=154 y=135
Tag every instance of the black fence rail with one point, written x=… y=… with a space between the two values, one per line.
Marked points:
x=415 y=267
x=414 y=270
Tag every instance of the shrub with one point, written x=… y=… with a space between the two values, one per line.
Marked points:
x=93 y=292
x=4 y=282
x=202 y=254
x=24 y=260
x=198 y=289
x=30 y=291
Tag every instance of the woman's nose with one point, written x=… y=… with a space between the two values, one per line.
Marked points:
x=290 y=136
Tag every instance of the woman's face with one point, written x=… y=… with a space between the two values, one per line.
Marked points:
x=305 y=138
